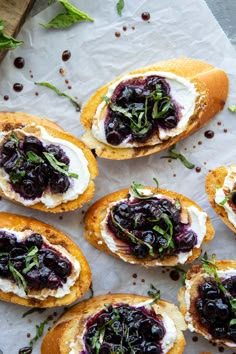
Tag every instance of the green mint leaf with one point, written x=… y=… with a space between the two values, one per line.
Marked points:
x=18 y=277
x=232 y=108
x=8 y=42
x=39 y=332
x=55 y=89
x=34 y=157
x=68 y=18
x=34 y=309
x=120 y=6
x=59 y=166
x=154 y=293
x=174 y=155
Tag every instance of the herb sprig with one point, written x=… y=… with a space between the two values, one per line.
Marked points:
x=39 y=332
x=154 y=293
x=120 y=6
x=232 y=108
x=59 y=166
x=175 y=155
x=71 y=16
x=227 y=198
x=7 y=42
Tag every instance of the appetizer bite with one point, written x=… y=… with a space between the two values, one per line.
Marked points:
x=117 y=323
x=150 y=109
x=148 y=226
x=39 y=265
x=208 y=301
x=43 y=167
x=221 y=192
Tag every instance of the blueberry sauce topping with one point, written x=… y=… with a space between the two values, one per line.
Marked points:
x=151 y=227
x=215 y=310
x=124 y=329
x=137 y=108
x=33 y=167
x=31 y=263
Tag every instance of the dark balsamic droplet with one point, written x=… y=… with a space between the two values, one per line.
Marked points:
x=200 y=143
x=174 y=275
x=225 y=130
x=6 y=98
x=19 y=62
x=221 y=349
x=198 y=169
x=66 y=55
x=146 y=16
x=124 y=28
x=117 y=34
x=209 y=134
x=17 y=87
x=195 y=339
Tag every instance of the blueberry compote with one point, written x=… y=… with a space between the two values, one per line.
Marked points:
x=34 y=167
x=137 y=108
x=151 y=227
x=31 y=263
x=215 y=310
x=124 y=329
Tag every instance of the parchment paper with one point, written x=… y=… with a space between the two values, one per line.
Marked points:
x=176 y=28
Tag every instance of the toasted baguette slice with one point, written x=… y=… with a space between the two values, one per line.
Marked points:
x=96 y=215
x=70 y=328
x=17 y=223
x=215 y=179
x=189 y=294
x=210 y=83
x=10 y=121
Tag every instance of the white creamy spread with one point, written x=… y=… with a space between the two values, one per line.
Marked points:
x=228 y=186
x=182 y=91
x=188 y=318
x=78 y=164
x=167 y=341
x=9 y=286
x=197 y=220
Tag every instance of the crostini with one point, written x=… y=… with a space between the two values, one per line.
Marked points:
x=221 y=192
x=208 y=301
x=117 y=323
x=148 y=226
x=42 y=166
x=39 y=265
x=152 y=108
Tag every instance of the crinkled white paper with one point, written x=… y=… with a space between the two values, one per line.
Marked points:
x=176 y=28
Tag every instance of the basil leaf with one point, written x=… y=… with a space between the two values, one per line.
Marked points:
x=232 y=109
x=232 y=322
x=18 y=277
x=210 y=268
x=68 y=18
x=135 y=189
x=34 y=309
x=174 y=155
x=156 y=181
x=227 y=198
x=120 y=6
x=39 y=332
x=55 y=89
x=154 y=293
x=31 y=259
x=14 y=137
x=16 y=176
x=8 y=42
x=34 y=157
x=59 y=166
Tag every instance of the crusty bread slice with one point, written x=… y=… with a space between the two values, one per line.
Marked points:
x=196 y=275
x=97 y=212
x=55 y=237
x=72 y=324
x=212 y=87
x=216 y=178
x=10 y=121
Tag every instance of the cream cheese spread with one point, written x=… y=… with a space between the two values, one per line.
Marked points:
x=182 y=91
x=10 y=286
x=78 y=164
x=228 y=186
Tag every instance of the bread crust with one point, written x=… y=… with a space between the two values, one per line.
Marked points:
x=212 y=87
x=73 y=322
x=55 y=237
x=97 y=212
x=9 y=121
x=216 y=178
x=196 y=276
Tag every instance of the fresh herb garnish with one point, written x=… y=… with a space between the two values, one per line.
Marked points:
x=16 y=176
x=34 y=309
x=34 y=157
x=55 y=89
x=39 y=332
x=68 y=18
x=31 y=259
x=7 y=42
x=232 y=108
x=154 y=293
x=59 y=166
x=135 y=187
x=14 y=137
x=18 y=277
x=227 y=198
x=175 y=155
x=167 y=233
x=183 y=272
x=120 y=6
